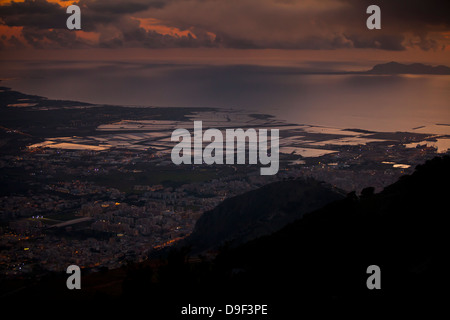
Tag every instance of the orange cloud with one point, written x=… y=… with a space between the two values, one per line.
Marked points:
x=89 y=37
x=61 y=3
x=10 y=31
x=241 y=24
x=13 y=35
x=155 y=25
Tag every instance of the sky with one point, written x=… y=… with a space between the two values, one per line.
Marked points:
x=274 y=32
x=250 y=54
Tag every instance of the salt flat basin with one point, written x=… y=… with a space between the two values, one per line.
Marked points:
x=441 y=144
x=296 y=162
x=438 y=128
x=69 y=146
x=139 y=125
x=397 y=165
x=22 y=105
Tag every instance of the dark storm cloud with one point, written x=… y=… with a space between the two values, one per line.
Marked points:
x=43 y=25
x=111 y=19
x=384 y=41
x=244 y=24
x=45 y=15
x=128 y=33
x=421 y=21
x=312 y=24
x=411 y=13
x=120 y=6
x=290 y=24
x=101 y=12
x=13 y=41
x=38 y=14
x=148 y=39
x=54 y=38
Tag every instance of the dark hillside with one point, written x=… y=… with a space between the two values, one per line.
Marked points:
x=260 y=212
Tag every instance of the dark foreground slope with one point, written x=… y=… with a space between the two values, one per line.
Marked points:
x=260 y=212
x=325 y=255
x=322 y=259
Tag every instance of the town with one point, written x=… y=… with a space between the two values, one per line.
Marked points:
x=98 y=188
x=103 y=209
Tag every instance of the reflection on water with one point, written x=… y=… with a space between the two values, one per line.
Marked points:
x=397 y=165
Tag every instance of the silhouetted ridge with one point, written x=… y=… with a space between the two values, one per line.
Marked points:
x=415 y=68
x=322 y=258
x=260 y=212
x=403 y=229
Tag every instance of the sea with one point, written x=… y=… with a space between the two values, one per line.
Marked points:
x=390 y=103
